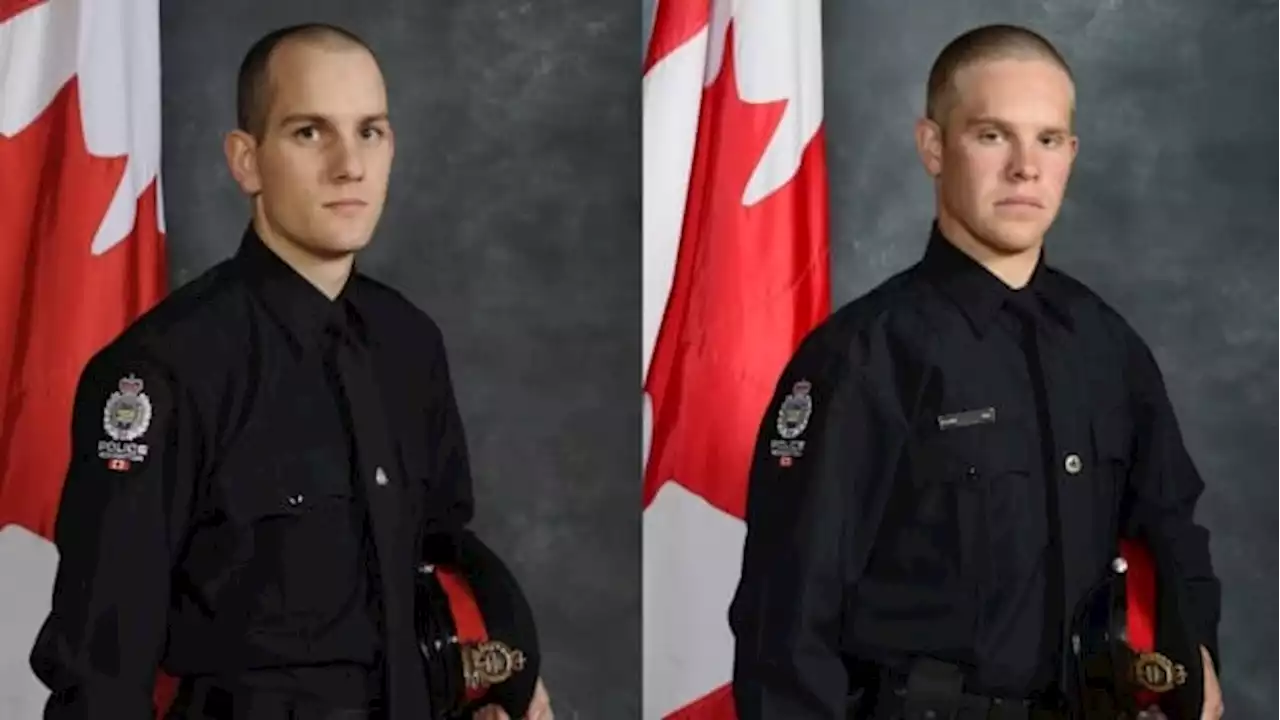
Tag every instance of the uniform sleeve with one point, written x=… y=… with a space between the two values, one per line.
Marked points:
x=449 y=443
x=120 y=519
x=1164 y=488
x=819 y=445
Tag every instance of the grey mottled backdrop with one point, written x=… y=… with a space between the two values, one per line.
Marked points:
x=513 y=220
x=1170 y=216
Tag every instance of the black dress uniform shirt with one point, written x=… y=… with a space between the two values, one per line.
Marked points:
x=215 y=521
x=944 y=470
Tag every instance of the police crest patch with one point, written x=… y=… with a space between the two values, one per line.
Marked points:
x=127 y=413
x=795 y=410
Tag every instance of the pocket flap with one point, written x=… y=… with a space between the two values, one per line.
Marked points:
x=291 y=485
x=960 y=452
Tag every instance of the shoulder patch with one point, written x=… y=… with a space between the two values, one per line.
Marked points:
x=127 y=413
x=795 y=410
x=126 y=416
x=793 y=418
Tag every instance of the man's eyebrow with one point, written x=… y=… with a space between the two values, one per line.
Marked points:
x=985 y=120
x=309 y=118
x=315 y=119
x=997 y=122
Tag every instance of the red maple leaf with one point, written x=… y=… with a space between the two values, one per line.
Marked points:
x=750 y=282
x=59 y=304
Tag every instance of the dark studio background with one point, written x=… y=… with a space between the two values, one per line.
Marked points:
x=1170 y=217
x=513 y=220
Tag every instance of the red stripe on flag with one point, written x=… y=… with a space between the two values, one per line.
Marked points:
x=674 y=23
x=715 y=705
x=59 y=304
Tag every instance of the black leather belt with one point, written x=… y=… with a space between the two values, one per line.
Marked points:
x=964 y=706
x=934 y=690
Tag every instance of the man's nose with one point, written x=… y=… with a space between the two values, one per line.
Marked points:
x=347 y=163
x=1022 y=164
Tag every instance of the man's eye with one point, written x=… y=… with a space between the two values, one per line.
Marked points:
x=372 y=132
x=305 y=133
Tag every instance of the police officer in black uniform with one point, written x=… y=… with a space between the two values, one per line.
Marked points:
x=263 y=464
x=948 y=462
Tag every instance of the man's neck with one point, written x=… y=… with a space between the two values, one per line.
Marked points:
x=1013 y=269
x=327 y=274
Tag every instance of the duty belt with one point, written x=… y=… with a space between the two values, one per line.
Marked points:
x=934 y=690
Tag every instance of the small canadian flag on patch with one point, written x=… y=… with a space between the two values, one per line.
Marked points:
x=118 y=464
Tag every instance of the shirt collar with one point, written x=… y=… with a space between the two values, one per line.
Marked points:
x=299 y=307
x=980 y=294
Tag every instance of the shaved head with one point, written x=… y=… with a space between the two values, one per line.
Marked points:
x=983 y=44
x=999 y=143
x=313 y=147
x=254 y=84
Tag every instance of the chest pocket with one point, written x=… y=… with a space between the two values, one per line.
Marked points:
x=296 y=486
x=297 y=525
x=949 y=516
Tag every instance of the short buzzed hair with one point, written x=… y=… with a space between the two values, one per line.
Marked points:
x=253 y=85
x=989 y=42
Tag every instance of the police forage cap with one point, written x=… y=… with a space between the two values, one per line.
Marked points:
x=507 y=619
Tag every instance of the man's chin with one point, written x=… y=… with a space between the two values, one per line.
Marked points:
x=1014 y=238
x=340 y=245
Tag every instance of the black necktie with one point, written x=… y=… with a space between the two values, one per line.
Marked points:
x=379 y=488
x=1025 y=307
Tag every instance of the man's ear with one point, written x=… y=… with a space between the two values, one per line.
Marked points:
x=241 y=150
x=929 y=145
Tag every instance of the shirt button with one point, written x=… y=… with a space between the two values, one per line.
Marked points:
x=1072 y=464
x=380 y=476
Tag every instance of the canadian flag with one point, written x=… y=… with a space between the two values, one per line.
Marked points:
x=81 y=256
x=735 y=275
